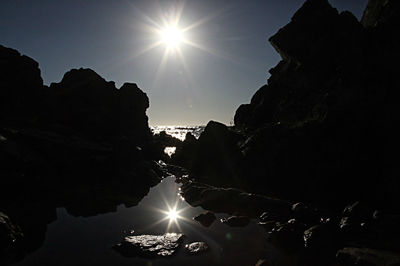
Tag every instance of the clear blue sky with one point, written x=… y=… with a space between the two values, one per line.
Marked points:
x=108 y=36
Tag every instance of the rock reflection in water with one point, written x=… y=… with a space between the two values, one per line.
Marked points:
x=90 y=239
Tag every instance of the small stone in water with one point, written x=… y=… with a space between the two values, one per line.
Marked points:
x=196 y=247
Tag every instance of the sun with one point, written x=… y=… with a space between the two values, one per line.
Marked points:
x=172 y=215
x=172 y=36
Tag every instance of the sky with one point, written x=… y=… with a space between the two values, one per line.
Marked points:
x=223 y=59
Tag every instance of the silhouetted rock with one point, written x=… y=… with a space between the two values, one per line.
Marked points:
x=323 y=126
x=20 y=87
x=196 y=247
x=213 y=156
x=100 y=110
x=149 y=245
x=81 y=144
x=206 y=219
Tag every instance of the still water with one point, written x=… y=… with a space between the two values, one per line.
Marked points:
x=88 y=241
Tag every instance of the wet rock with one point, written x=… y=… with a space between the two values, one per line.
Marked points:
x=206 y=218
x=305 y=213
x=268 y=225
x=358 y=211
x=149 y=245
x=349 y=256
x=231 y=200
x=236 y=221
x=287 y=235
x=196 y=247
x=324 y=236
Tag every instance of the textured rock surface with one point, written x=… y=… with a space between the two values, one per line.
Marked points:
x=149 y=245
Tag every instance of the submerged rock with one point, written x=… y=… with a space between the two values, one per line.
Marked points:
x=206 y=218
x=196 y=247
x=236 y=221
x=232 y=200
x=149 y=245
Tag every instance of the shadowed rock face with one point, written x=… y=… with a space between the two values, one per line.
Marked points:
x=324 y=128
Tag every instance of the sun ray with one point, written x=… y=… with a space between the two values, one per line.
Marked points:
x=161 y=67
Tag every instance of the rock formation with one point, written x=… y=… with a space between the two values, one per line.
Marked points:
x=81 y=144
x=324 y=128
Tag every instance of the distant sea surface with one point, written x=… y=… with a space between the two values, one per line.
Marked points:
x=179 y=132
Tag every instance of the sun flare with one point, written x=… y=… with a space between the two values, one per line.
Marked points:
x=172 y=215
x=172 y=36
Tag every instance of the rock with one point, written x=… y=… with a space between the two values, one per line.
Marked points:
x=100 y=110
x=236 y=221
x=206 y=218
x=149 y=245
x=213 y=156
x=287 y=235
x=379 y=13
x=231 y=200
x=358 y=211
x=349 y=256
x=324 y=236
x=21 y=87
x=10 y=233
x=305 y=213
x=322 y=125
x=196 y=247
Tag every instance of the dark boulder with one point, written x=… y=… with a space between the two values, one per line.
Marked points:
x=215 y=155
x=206 y=219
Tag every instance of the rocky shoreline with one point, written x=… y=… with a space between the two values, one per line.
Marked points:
x=312 y=157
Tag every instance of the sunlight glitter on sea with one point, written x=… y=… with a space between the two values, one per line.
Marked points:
x=179 y=132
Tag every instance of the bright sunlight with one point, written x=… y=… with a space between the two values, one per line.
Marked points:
x=172 y=215
x=172 y=36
